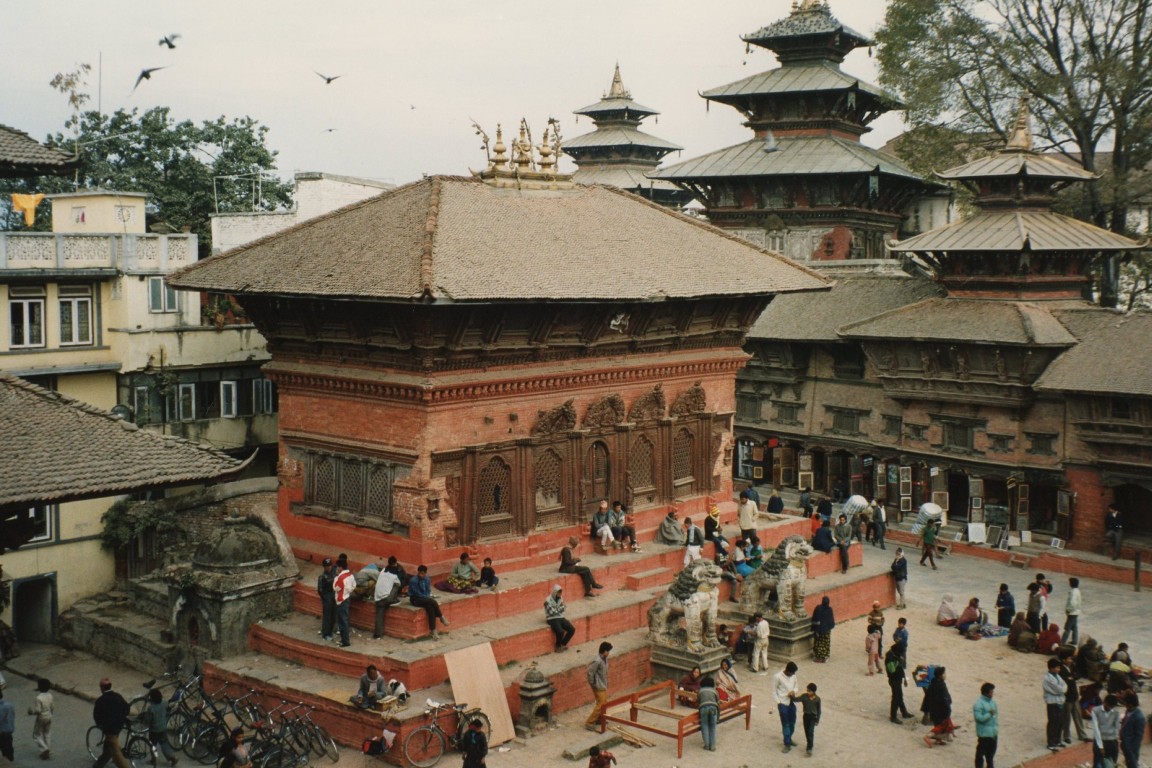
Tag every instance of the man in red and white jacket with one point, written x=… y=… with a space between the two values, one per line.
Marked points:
x=343 y=586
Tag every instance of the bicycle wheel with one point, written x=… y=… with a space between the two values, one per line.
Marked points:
x=177 y=729
x=136 y=709
x=424 y=747
x=138 y=750
x=95 y=741
x=328 y=746
x=204 y=743
x=469 y=716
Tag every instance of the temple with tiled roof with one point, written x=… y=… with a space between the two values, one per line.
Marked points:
x=22 y=157
x=481 y=361
x=987 y=383
x=618 y=153
x=805 y=184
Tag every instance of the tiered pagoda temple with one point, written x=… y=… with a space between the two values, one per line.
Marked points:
x=804 y=184
x=618 y=153
x=984 y=387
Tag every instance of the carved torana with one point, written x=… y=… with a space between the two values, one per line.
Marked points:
x=560 y=419
x=650 y=406
x=608 y=411
x=690 y=401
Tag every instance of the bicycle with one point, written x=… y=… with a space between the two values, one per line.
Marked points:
x=136 y=747
x=424 y=747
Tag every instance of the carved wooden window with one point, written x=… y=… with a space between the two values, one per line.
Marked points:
x=549 y=489
x=683 y=480
x=350 y=488
x=493 y=502
x=641 y=471
x=598 y=473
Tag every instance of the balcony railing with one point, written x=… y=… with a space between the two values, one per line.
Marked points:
x=50 y=252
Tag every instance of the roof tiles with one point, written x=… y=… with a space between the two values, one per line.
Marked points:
x=1111 y=356
x=975 y=321
x=1017 y=231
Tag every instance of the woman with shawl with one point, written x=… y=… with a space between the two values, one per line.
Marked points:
x=726 y=683
x=823 y=622
x=971 y=615
x=670 y=531
x=946 y=615
x=939 y=703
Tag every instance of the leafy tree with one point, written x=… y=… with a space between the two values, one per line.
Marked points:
x=190 y=170
x=1087 y=65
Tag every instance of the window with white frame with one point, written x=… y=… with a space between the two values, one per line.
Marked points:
x=75 y=315
x=26 y=316
x=161 y=297
x=40 y=517
x=186 y=402
x=228 y=408
x=142 y=404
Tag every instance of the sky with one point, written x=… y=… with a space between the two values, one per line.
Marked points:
x=413 y=74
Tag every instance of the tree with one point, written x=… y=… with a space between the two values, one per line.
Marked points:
x=189 y=170
x=1087 y=65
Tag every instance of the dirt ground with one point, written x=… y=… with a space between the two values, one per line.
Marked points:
x=855 y=730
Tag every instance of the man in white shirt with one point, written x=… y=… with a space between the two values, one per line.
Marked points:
x=746 y=515
x=1072 y=609
x=693 y=541
x=785 y=689
x=387 y=594
x=343 y=586
x=760 y=644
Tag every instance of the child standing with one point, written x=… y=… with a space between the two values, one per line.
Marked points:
x=474 y=745
x=599 y=758
x=488 y=577
x=872 y=648
x=156 y=718
x=1005 y=607
x=811 y=706
x=42 y=708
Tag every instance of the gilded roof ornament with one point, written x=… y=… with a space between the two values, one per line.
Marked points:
x=1021 y=138
x=617 y=89
x=531 y=166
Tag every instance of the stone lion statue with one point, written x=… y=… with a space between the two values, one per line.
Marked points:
x=692 y=595
x=785 y=573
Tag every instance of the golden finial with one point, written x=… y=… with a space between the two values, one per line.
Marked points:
x=1021 y=138
x=617 y=89
x=501 y=156
x=546 y=159
x=522 y=147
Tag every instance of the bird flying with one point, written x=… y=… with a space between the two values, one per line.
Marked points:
x=328 y=80
x=169 y=40
x=146 y=74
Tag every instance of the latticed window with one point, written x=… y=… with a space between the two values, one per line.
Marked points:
x=683 y=480
x=549 y=489
x=324 y=492
x=641 y=471
x=351 y=488
x=492 y=499
x=380 y=492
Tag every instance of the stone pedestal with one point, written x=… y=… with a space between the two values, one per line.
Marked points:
x=790 y=640
x=673 y=663
x=535 y=703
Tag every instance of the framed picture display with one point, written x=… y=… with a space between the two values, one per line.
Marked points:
x=975 y=486
x=1011 y=540
x=977 y=533
x=1005 y=542
x=1022 y=522
x=995 y=533
x=977 y=502
x=940 y=498
x=905 y=474
x=1025 y=537
x=1057 y=543
x=758 y=473
x=1022 y=508
x=758 y=453
x=905 y=503
x=1022 y=490
x=806 y=479
x=805 y=462
x=905 y=487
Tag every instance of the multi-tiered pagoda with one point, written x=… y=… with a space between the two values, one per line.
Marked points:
x=804 y=184
x=618 y=153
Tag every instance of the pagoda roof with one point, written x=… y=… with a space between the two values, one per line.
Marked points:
x=615 y=136
x=1091 y=366
x=972 y=321
x=617 y=99
x=21 y=156
x=790 y=317
x=793 y=156
x=807 y=77
x=621 y=177
x=810 y=19
x=59 y=449
x=1010 y=163
x=449 y=239
x=1015 y=231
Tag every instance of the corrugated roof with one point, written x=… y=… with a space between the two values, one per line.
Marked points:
x=801 y=23
x=618 y=104
x=1012 y=163
x=1017 y=231
x=56 y=449
x=800 y=317
x=618 y=176
x=966 y=320
x=460 y=239
x=20 y=153
x=796 y=78
x=803 y=155
x=614 y=136
x=1110 y=358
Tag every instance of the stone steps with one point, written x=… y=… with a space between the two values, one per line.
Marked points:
x=109 y=626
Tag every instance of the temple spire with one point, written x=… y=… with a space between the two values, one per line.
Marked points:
x=1021 y=138
x=617 y=89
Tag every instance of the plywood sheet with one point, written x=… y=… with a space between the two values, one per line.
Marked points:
x=476 y=682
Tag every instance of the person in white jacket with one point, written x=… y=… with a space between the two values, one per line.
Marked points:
x=785 y=689
x=1072 y=608
x=746 y=515
x=760 y=644
x=42 y=709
